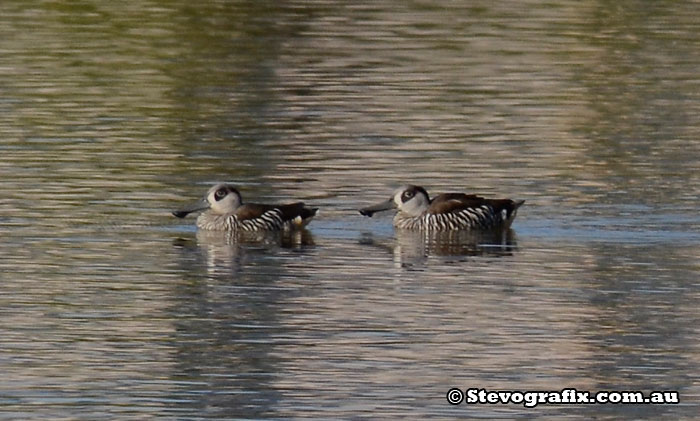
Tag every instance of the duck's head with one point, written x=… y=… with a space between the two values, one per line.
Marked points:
x=411 y=200
x=222 y=199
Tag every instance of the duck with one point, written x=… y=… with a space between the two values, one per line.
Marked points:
x=223 y=210
x=446 y=212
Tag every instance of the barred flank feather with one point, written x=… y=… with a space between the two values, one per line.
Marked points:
x=268 y=221
x=482 y=217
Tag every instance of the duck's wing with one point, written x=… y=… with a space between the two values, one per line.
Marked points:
x=296 y=213
x=454 y=202
x=459 y=202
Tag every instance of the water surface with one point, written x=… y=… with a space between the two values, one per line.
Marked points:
x=111 y=115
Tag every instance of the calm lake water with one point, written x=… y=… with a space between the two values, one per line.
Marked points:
x=112 y=114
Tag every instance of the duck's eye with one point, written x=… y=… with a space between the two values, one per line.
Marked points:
x=407 y=195
x=220 y=194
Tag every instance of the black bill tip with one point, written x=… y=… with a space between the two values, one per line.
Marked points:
x=366 y=212
x=180 y=214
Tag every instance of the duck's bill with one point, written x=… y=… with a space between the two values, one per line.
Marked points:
x=379 y=207
x=194 y=207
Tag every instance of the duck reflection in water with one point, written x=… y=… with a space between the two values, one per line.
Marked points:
x=416 y=247
x=227 y=252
